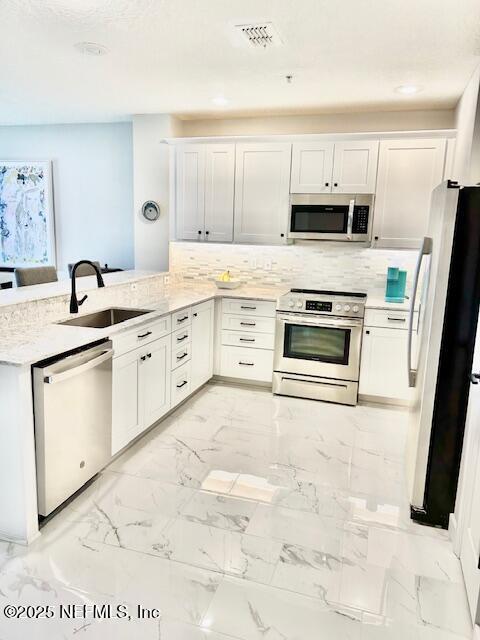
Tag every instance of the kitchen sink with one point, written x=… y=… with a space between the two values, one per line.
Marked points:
x=105 y=318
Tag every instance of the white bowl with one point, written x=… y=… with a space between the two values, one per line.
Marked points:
x=229 y=284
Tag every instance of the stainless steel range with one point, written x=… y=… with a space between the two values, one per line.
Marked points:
x=317 y=345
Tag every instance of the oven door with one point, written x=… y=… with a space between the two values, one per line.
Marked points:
x=318 y=346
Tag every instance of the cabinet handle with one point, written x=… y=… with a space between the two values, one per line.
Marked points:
x=182 y=356
x=144 y=335
x=199 y=232
x=247 y=339
x=195 y=315
x=182 y=319
x=179 y=386
x=143 y=358
x=335 y=184
x=327 y=184
x=245 y=307
x=397 y=319
x=367 y=333
x=246 y=364
x=207 y=233
x=248 y=324
x=182 y=338
x=149 y=355
x=282 y=235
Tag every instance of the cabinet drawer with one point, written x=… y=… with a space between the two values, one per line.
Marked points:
x=253 y=324
x=181 y=336
x=388 y=319
x=182 y=318
x=247 y=363
x=252 y=340
x=181 y=383
x=141 y=335
x=249 y=307
x=181 y=354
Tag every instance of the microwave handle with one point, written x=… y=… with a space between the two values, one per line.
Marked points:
x=351 y=207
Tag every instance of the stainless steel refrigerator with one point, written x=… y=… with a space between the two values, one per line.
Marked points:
x=446 y=294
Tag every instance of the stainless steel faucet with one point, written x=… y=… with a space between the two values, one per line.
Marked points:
x=74 y=302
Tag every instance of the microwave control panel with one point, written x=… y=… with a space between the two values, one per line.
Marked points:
x=360 y=219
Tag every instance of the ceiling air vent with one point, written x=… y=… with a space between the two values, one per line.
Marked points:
x=260 y=35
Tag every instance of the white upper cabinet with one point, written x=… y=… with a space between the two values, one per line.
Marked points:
x=312 y=167
x=219 y=189
x=340 y=167
x=205 y=185
x=408 y=171
x=355 y=166
x=262 y=181
x=190 y=201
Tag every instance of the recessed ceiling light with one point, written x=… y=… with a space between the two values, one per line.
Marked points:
x=408 y=89
x=91 y=48
x=220 y=101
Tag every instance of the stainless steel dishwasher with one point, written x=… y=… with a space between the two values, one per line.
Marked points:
x=73 y=422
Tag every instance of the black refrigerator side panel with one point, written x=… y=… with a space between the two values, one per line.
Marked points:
x=455 y=364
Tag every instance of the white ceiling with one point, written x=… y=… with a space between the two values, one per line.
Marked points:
x=174 y=56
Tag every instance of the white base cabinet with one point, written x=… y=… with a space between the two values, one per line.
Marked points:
x=202 y=342
x=141 y=390
x=383 y=367
x=247 y=339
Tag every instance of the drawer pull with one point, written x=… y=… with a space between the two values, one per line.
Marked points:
x=179 y=386
x=184 y=355
x=182 y=338
x=182 y=319
x=397 y=319
x=245 y=307
x=144 y=335
x=247 y=339
x=248 y=324
x=246 y=364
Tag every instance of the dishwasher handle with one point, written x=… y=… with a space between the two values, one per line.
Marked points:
x=81 y=368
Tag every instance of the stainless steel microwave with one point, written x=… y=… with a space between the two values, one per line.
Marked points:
x=340 y=217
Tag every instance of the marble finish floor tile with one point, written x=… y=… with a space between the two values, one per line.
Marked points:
x=248 y=516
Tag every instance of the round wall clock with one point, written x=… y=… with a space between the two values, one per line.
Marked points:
x=151 y=210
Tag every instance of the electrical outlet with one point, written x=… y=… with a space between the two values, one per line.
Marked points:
x=166 y=279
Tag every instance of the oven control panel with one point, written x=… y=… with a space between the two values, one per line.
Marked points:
x=351 y=306
x=317 y=305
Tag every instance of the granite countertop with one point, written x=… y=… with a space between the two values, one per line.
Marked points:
x=27 y=346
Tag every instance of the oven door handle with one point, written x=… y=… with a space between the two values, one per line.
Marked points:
x=329 y=324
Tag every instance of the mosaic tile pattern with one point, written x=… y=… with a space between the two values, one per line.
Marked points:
x=321 y=265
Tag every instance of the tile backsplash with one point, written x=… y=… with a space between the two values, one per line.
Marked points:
x=308 y=264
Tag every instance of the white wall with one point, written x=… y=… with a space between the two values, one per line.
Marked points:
x=151 y=179
x=322 y=123
x=92 y=180
x=465 y=117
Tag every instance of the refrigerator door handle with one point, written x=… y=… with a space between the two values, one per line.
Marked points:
x=425 y=250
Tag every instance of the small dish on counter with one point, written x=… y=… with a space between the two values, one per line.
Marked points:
x=228 y=284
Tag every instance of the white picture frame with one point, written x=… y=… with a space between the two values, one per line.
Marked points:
x=27 y=218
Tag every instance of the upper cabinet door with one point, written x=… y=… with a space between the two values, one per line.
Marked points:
x=219 y=190
x=262 y=181
x=312 y=166
x=355 y=166
x=190 y=192
x=408 y=171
